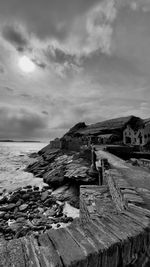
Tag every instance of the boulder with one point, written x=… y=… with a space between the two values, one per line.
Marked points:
x=69 y=193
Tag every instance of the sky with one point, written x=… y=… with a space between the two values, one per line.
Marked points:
x=89 y=59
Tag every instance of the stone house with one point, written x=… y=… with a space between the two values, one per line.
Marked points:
x=139 y=136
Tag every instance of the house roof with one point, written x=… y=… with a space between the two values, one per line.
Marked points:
x=108 y=126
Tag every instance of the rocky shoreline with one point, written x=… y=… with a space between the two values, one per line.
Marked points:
x=29 y=210
x=64 y=171
x=33 y=210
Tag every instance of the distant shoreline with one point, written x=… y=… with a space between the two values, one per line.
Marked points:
x=23 y=141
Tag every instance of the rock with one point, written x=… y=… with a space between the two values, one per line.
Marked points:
x=67 y=193
x=44 y=195
x=48 y=226
x=29 y=190
x=14 y=226
x=19 y=202
x=23 y=192
x=20 y=219
x=28 y=186
x=41 y=210
x=14 y=198
x=23 y=207
x=8 y=207
x=15 y=210
x=39 y=222
x=3 y=200
x=2 y=213
x=6 y=216
x=50 y=212
x=26 y=196
x=36 y=188
x=54 y=177
x=22 y=231
x=49 y=201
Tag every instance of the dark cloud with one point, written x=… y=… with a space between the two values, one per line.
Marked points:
x=2 y=70
x=40 y=64
x=20 y=123
x=59 y=56
x=9 y=89
x=45 y=17
x=26 y=95
x=45 y=112
x=14 y=35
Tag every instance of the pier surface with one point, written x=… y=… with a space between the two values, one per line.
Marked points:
x=113 y=229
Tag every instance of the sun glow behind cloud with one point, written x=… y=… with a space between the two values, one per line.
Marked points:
x=26 y=65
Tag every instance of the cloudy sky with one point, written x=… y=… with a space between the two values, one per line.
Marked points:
x=65 y=61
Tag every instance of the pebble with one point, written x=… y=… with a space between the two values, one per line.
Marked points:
x=23 y=207
x=44 y=195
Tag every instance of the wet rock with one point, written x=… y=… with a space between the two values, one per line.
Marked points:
x=23 y=207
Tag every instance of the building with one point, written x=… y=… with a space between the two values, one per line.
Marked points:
x=56 y=143
x=129 y=130
x=137 y=134
x=108 y=138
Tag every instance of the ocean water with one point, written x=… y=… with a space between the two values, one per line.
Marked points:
x=13 y=159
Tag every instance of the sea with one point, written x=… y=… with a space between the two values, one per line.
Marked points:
x=14 y=157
